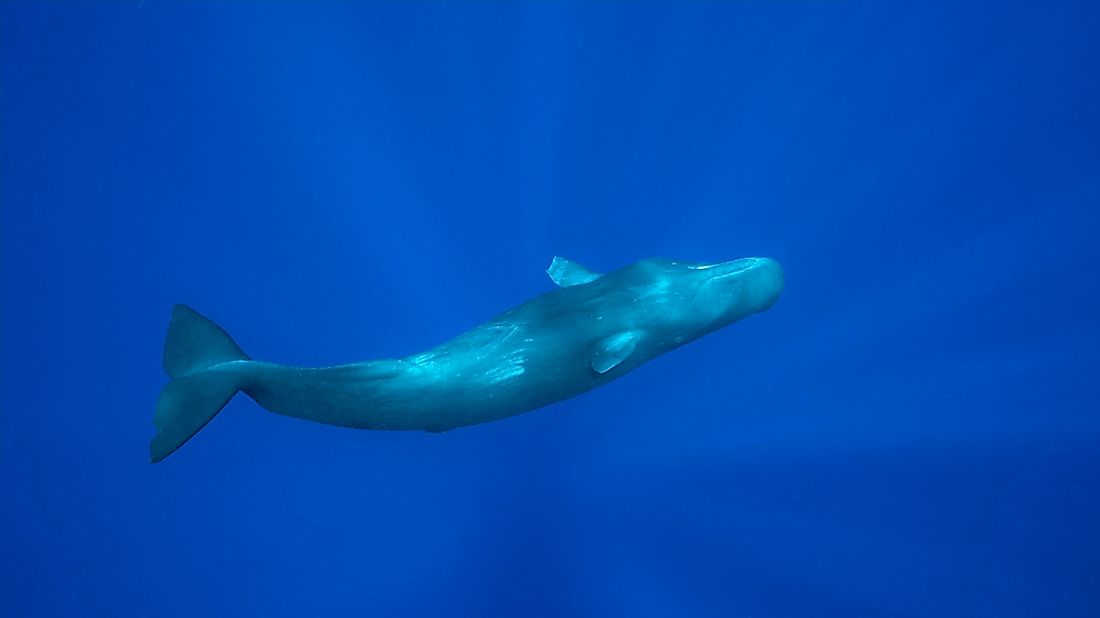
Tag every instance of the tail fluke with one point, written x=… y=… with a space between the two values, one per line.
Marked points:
x=195 y=355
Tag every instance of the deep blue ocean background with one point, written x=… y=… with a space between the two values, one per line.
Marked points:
x=911 y=431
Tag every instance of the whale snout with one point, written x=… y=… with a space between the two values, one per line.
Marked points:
x=766 y=283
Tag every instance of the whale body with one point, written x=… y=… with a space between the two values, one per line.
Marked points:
x=591 y=330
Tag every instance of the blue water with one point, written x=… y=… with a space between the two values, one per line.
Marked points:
x=911 y=431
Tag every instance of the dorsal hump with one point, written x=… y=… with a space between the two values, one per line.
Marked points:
x=566 y=273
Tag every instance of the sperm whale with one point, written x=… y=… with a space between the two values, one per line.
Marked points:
x=589 y=331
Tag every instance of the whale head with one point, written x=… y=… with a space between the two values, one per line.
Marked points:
x=694 y=299
x=737 y=288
